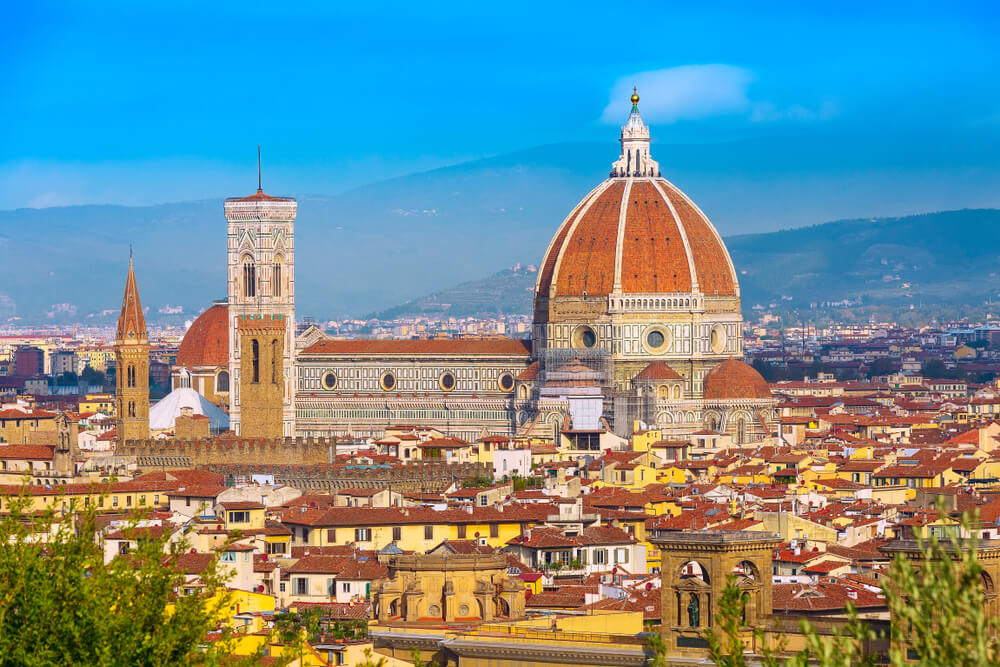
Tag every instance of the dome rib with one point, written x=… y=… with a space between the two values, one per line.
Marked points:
x=587 y=261
x=652 y=243
x=548 y=269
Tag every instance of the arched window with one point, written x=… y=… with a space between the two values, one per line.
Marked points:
x=249 y=278
x=274 y=361
x=131 y=408
x=131 y=375
x=255 y=348
x=741 y=431
x=222 y=381
x=276 y=276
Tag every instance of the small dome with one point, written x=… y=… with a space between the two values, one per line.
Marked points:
x=657 y=370
x=734 y=379
x=206 y=343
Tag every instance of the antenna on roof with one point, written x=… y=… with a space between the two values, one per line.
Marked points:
x=259 y=189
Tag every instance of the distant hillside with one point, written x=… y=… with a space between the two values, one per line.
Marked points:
x=507 y=292
x=395 y=240
x=947 y=257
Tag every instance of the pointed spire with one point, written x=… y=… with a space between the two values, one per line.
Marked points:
x=131 y=321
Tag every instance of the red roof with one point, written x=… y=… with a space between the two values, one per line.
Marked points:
x=260 y=196
x=658 y=370
x=734 y=379
x=504 y=346
x=206 y=343
x=26 y=452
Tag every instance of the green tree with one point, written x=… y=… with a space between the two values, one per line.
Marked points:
x=92 y=376
x=60 y=603
x=882 y=366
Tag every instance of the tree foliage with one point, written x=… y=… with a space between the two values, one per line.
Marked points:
x=61 y=604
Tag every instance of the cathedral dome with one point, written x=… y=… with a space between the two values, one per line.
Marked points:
x=206 y=343
x=635 y=234
x=734 y=379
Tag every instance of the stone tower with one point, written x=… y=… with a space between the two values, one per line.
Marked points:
x=132 y=366
x=262 y=379
x=261 y=281
x=694 y=570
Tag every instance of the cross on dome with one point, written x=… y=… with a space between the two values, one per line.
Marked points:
x=635 y=159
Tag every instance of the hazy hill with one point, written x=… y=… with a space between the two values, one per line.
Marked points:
x=371 y=248
x=939 y=257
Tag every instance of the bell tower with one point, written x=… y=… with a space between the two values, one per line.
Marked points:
x=262 y=383
x=132 y=365
x=261 y=284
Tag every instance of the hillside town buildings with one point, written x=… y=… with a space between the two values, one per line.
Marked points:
x=545 y=499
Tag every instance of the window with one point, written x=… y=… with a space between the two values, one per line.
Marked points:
x=461 y=531
x=275 y=548
x=387 y=382
x=128 y=500
x=239 y=517
x=300 y=586
x=338 y=658
x=255 y=347
x=331 y=587
x=428 y=532
x=274 y=361
x=331 y=535
x=114 y=501
x=329 y=381
x=156 y=499
x=346 y=587
x=397 y=533
x=362 y=534
x=276 y=277
x=249 y=279
x=305 y=534
x=621 y=556
x=222 y=381
x=281 y=587
x=483 y=500
x=142 y=499
x=506 y=382
x=494 y=530
x=228 y=557
x=131 y=375
x=600 y=556
x=447 y=381
x=131 y=408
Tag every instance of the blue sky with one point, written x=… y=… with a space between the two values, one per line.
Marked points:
x=136 y=103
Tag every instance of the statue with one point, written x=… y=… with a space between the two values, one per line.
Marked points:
x=694 y=611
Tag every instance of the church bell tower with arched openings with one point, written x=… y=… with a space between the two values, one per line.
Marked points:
x=132 y=365
x=261 y=285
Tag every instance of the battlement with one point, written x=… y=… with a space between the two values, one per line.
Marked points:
x=302 y=463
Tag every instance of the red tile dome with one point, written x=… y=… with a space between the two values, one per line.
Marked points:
x=734 y=379
x=643 y=233
x=206 y=343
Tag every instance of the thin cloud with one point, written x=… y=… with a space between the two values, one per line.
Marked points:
x=692 y=92
x=683 y=93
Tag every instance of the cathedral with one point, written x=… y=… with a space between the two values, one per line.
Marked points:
x=636 y=321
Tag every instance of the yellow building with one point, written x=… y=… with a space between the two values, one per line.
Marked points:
x=104 y=403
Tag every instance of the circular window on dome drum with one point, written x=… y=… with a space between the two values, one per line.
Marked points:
x=506 y=382
x=584 y=337
x=387 y=381
x=718 y=339
x=656 y=340
x=447 y=381
x=329 y=380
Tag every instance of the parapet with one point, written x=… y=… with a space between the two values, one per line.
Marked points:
x=260 y=323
